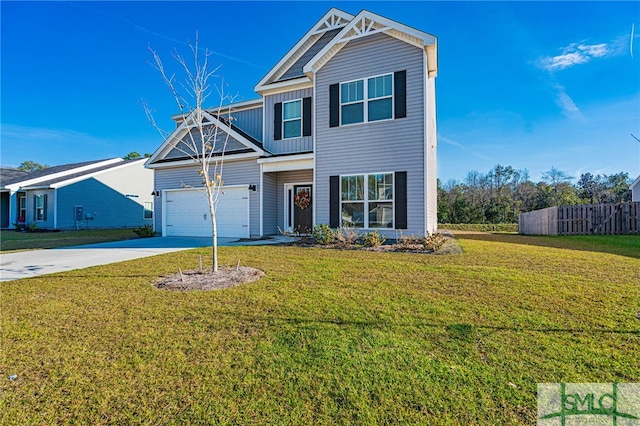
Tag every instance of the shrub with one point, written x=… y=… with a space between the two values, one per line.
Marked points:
x=433 y=242
x=408 y=242
x=323 y=234
x=145 y=231
x=346 y=235
x=373 y=239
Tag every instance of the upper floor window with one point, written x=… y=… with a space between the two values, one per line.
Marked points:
x=369 y=99
x=366 y=100
x=292 y=119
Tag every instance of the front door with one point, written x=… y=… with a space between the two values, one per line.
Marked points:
x=302 y=205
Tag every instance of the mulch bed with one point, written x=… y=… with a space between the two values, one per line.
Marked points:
x=206 y=280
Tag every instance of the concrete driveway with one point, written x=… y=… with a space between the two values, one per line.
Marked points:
x=25 y=264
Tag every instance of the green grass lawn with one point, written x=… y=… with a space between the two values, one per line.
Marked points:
x=13 y=240
x=327 y=337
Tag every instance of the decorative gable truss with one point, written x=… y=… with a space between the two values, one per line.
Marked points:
x=331 y=21
x=231 y=142
x=366 y=24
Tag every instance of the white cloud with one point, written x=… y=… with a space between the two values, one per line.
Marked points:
x=566 y=104
x=574 y=54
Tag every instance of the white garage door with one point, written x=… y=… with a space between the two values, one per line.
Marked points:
x=187 y=213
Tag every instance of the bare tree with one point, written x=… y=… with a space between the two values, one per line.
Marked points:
x=204 y=142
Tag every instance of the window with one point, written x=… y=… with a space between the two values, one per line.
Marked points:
x=366 y=100
x=382 y=97
x=22 y=210
x=40 y=207
x=148 y=210
x=366 y=201
x=292 y=119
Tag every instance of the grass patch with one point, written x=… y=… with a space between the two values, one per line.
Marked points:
x=13 y=240
x=480 y=227
x=324 y=338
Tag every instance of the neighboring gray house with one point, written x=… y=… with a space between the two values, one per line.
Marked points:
x=112 y=193
x=635 y=189
x=348 y=117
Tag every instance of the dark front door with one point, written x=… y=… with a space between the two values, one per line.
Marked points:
x=302 y=209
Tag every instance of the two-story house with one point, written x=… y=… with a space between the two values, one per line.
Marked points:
x=344 y=133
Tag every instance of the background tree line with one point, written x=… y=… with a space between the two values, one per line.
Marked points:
x=504 y=192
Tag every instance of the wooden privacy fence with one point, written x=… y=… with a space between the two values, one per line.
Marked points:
x=589 y=219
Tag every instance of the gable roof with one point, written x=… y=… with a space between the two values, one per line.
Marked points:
x=67 y=179
x=368 y=23
x=252 y=145
x=55 y=172
x=332 y=32
x=334 y=19
x=635 y=183
x=11 y=175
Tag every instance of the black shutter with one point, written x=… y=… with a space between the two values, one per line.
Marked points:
x=400 y=93
x=277 y=121
x=35 y=208
x=400 y=195
x=334 y=105
x=334 y=201
x=306 y=117
x=44 y=208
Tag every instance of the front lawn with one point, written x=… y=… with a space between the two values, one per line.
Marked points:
x=11 y=240
x=326 y=337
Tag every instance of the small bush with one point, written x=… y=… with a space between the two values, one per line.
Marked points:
x=145 y=231
x=373 y=239
x=433 y=242
x=323 y=234
x=346 y=235
x=409 y=242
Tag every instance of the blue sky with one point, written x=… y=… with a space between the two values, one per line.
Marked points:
x=532 y=85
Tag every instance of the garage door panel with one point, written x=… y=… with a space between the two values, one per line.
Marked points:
x=187 y=213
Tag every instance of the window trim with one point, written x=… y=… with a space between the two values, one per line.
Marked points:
x=365 y=202
x=22 y=207
x=293 y=119
x=42 y=197
x=365 y=99
x=145 y=210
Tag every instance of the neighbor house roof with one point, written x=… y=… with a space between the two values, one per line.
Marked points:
x=41 y=177
x=70 y=178
x=11 y=175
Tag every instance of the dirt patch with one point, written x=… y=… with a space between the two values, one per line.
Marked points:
x=194 y=280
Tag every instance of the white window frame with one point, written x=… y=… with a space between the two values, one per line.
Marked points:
x=284 y=137
x=43 y=209
x=366 y=200
x=22 y=207
x=145 y=210
x=365 y=99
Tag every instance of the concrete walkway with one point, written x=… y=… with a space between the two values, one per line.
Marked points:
x=25 y=264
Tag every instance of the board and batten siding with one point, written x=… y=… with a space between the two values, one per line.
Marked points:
x=234 y=173
x=382 y=146
x=249 y=121
x=284 y=146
